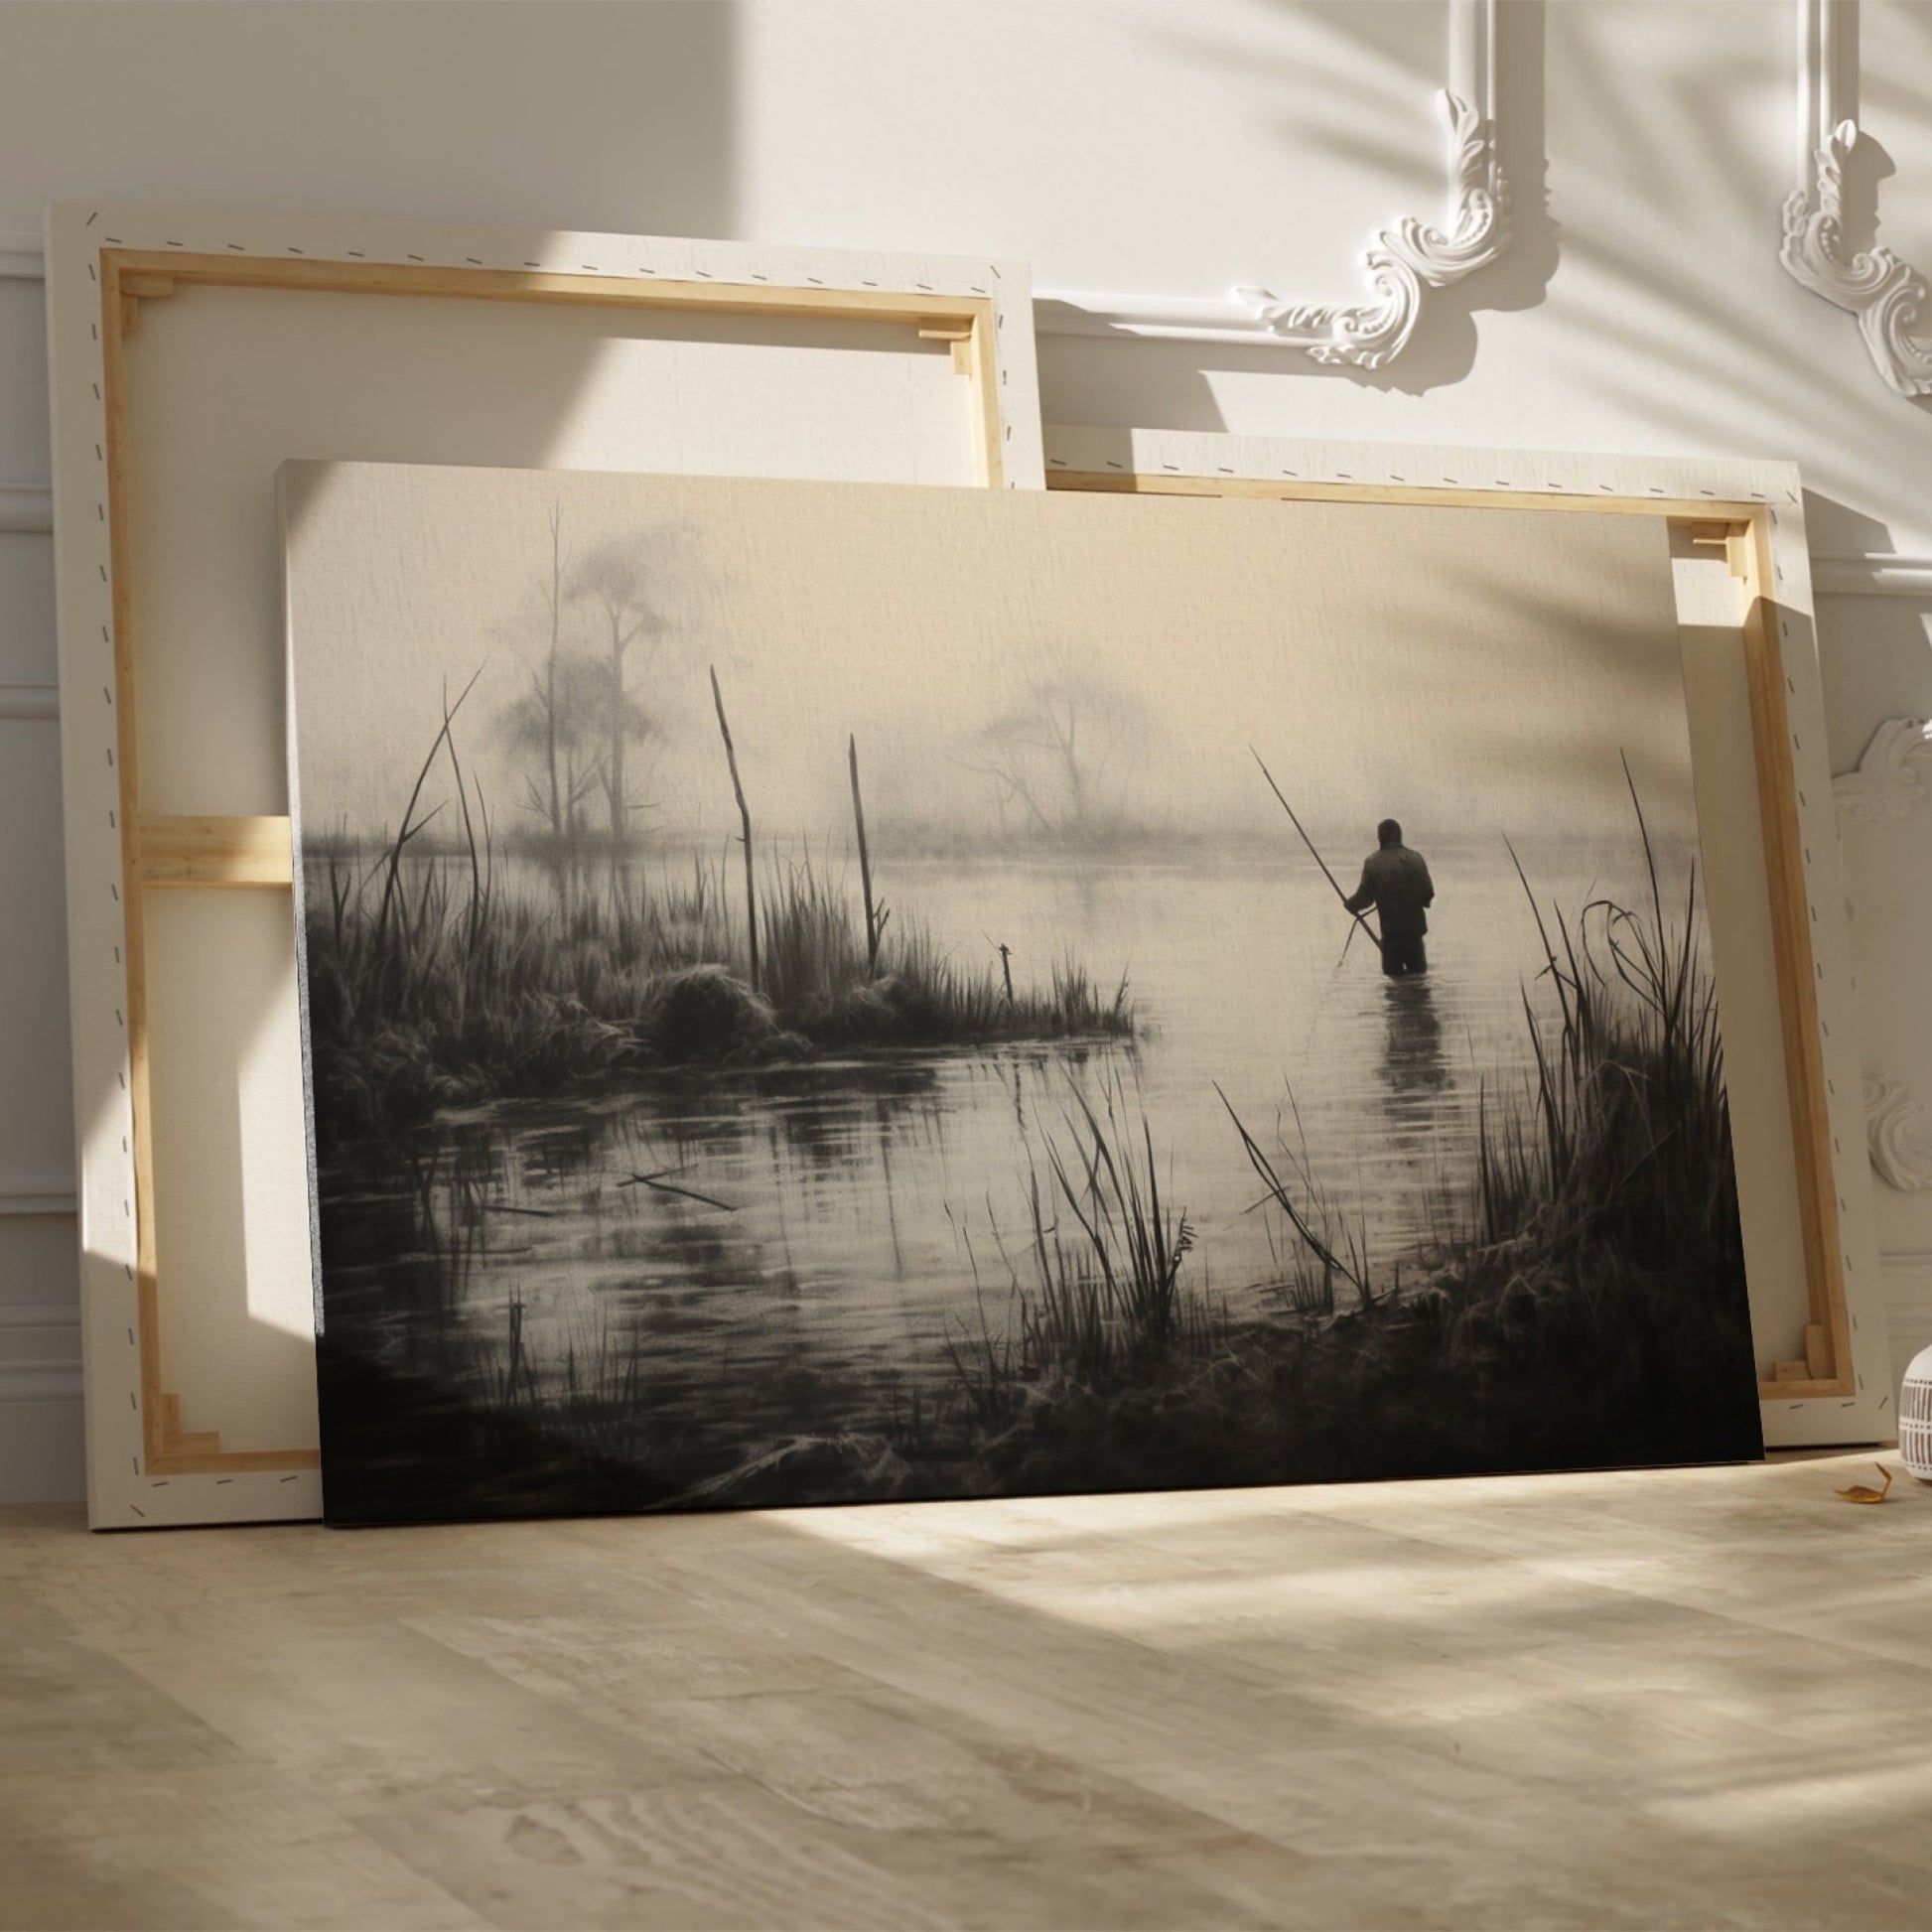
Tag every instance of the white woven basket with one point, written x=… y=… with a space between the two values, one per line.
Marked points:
x=1915 y=1416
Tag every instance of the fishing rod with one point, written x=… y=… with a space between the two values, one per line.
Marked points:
x=1316 y=856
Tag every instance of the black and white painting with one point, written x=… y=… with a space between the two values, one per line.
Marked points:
x=830 y=992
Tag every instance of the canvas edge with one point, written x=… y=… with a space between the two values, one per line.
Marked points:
x=289 y=475
x=120 y=1494
x=1865 y=1416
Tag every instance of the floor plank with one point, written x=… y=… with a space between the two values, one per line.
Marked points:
x=1692 y=1696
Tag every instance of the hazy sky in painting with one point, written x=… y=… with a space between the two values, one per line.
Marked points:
x=1472 y=672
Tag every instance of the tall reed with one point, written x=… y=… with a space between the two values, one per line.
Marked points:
x=1625 y=1140
x=1103 y=1301
x=432 y=979
x=1585 y=1301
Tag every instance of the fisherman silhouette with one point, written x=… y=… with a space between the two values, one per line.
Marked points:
x=1396 y=881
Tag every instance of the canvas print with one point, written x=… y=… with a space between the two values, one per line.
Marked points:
x=827 y=992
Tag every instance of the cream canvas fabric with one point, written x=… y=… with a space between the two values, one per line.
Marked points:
x=1213 y=992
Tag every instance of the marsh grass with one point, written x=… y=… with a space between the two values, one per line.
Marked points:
x=500 y=1421
x=592 y=1400
x=1625 y=1141
x=1326 y=1245
x=434 y=979
x=1582 y=1302
x=524 y=1406
x=1585 y=1301
x=1097 y=1301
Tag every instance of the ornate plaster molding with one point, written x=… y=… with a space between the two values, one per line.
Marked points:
x=1898 y=1131
x=1404 y=263
x=1886 y=294
x=1887 y=784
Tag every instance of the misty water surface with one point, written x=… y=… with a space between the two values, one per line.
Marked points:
x=871 y=1210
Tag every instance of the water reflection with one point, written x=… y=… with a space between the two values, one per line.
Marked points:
x=1415 y=1068
x=760 y=1252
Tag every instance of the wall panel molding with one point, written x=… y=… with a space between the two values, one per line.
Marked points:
x=27 y=507
x=1887 y=785
x=40 y=1351
x=1910 y=1268
x=1870 y=573
x=36 y=1193
x=1885 y=293
x=1406 y=262
x=30 y=701
x=21 y=257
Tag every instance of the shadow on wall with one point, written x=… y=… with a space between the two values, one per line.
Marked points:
x=1444 y=349
x=1707 y=302
x=1753 y=361
x=381 y=112
x=377 y=111
x=1354 y=126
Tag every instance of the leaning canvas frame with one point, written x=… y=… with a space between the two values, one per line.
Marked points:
x=148 y=1465
x=1744 y=582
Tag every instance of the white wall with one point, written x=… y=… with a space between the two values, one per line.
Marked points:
x=1174 y=146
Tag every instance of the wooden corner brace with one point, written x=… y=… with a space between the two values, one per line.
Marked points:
x=138 y=286
x=1734 y=536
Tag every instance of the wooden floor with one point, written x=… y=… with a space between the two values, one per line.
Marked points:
x=1689 y=1699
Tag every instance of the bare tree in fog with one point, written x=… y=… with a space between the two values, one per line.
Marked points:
x=1054 y=748
x=560 y=724
x=614 y=580
x=575 y=729
x=547 y=722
